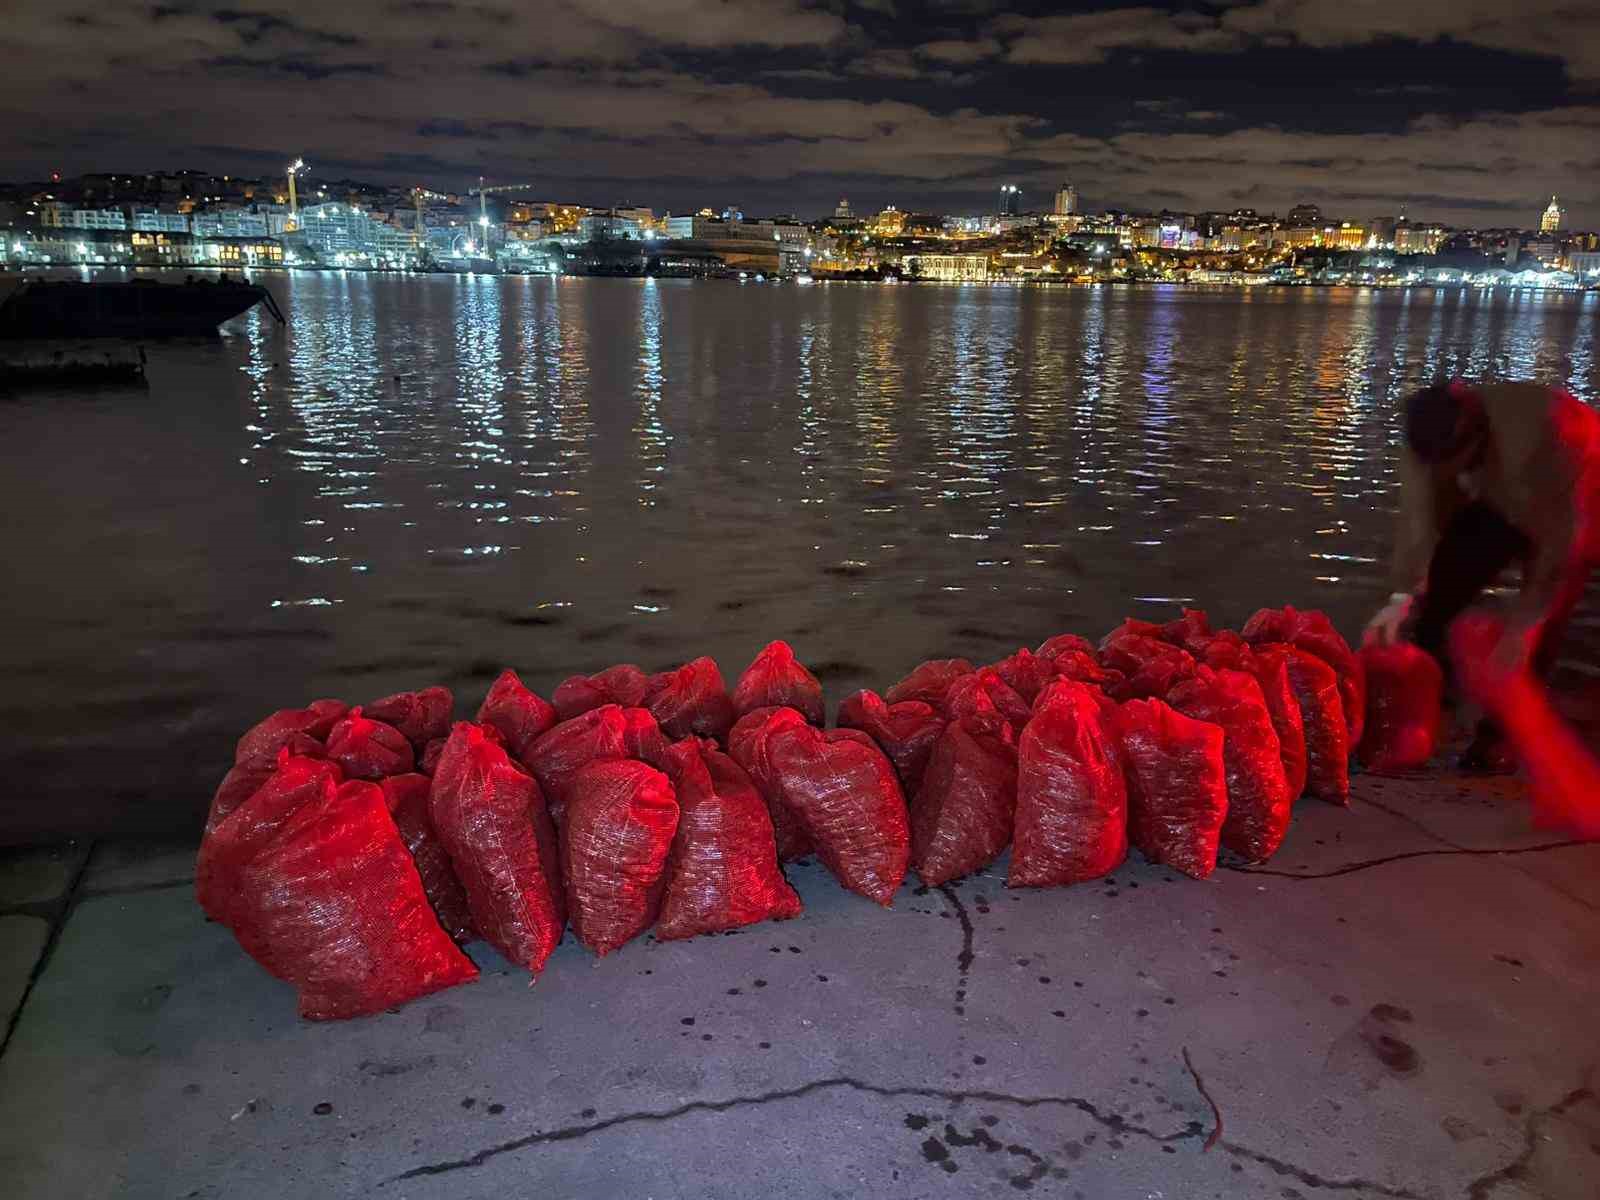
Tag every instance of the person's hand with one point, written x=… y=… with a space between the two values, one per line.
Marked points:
x=1384 y=629
x=1490 y=660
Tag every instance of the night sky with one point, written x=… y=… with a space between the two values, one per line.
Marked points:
x=1466 y=111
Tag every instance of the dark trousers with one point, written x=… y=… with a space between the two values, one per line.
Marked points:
x=1475 y=548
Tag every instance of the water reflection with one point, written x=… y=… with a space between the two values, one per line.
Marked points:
x=423 y=478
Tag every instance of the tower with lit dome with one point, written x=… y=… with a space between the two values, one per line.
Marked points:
x=1553 y=216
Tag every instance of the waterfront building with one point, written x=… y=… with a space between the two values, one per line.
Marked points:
x=155 y=220
x=950 y=268
x=335 y=234
x=229 y=223
x=54 y=214
x=1550 y=221
x=609 y=227
x=1585 y=265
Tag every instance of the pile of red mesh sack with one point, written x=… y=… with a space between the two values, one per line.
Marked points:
x=354 y=850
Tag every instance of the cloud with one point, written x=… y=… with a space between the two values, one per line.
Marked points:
x=1558 y=29
x=664 y=102
x=960 y=52
x=1562 y=30
x=1093 y=37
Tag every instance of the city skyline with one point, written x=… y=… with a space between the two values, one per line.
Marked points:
x=1451 y=111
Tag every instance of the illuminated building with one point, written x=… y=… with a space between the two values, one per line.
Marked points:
x=950 y=268
x=842 y=211
x=152 y=220
x=1417 y=239
x=1554 y=214
x=1346 y=235
x=1585 y=264
x=891 y=222
x=1010 y=200
x=1066 y=200
x=609 y=226
x=229 y=222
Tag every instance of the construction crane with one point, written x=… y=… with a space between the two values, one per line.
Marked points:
x=483 y=194
x=295 y=168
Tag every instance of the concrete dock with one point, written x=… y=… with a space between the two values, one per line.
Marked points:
x=1404 y=1003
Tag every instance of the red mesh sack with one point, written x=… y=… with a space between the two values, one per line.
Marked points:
x=239 y=833
x=983 y=691
x=1177 y=787
x=625 y=685
x=723 y=870
x=961 y=821
x=367 y=749
x=643 y=739
x=929 y=681
x=1134 y=627
x=1259 y=799
x=491 y=818
x=905 y=732
x=614 y=847
x=407 y=798
x=520 y=717
x=750 y=744
x=333 y=905
x=1316 y=690
x=1151 y=668
x=777 y=680
x=603 y=732
x=262 y=741
x=847 y=797
x=1065 y=643
x=1025 y=673
x=1228 y=651
x=1405 y=694
x=242 y=779
x=1191 y=631
x=420 y=717
x=1072 y=801
x=430 y=755
x=1082 y=667
x=691 y=701
x=1312 y=631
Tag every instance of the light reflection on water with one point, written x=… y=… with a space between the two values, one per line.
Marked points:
x=422 y=479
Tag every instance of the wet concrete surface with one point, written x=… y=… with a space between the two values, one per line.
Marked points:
x=1401 y=1004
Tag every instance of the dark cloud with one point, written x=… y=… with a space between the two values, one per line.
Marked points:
x=1458 y=108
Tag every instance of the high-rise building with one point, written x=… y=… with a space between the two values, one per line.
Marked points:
x=842 y=210
x=1010 y=200
x=1550 y=222
x=1304 y=214
x=1066 y=200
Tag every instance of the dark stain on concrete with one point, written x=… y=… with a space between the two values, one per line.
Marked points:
x=383 y=1069
x=1399 y=1056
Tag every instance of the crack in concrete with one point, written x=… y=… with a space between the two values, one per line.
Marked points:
x=1311 y=1179
x=1109 y=1120
x=60 y=911
x=1370 y=863
x=1484 y=1185
x=964 y=958
x=134 y=889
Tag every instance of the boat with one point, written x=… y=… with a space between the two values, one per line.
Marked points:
x=139 y=308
